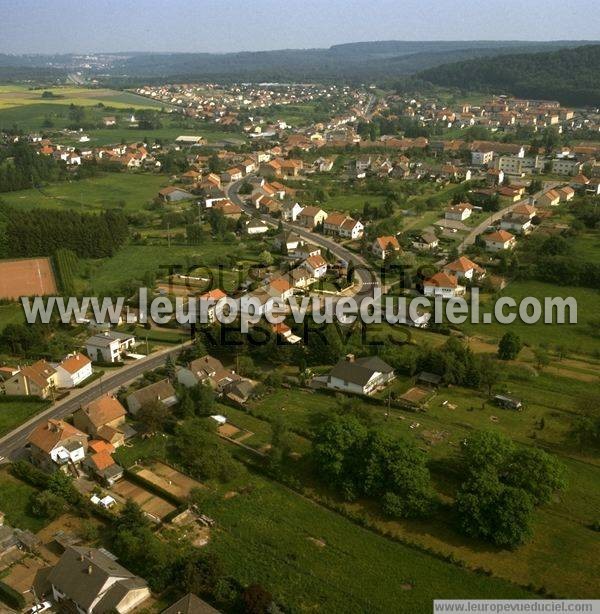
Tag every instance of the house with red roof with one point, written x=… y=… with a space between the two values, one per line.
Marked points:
x=383 y=246
x=464 y=268
x=73 y=370
x=444 y=285
x=499 y=241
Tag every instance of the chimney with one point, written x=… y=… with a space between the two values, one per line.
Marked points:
x=350 y=357
x=89 y=570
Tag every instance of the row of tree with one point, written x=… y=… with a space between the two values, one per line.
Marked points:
x=43 y=232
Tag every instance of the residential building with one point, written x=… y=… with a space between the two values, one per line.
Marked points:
x=109 y=346
x=39 y=379
x=103 y=419
x=499 y=241
x=443 y=284
x=359 y=375
x=464 y=268
x=255 y=227
x=55 y=445
x=459 y=212
x=343 y=226
x=190 y=604
x=382 y=247
x=566 y=193
x=310 y=217
x=211 y=302
x=73 y=370
x=481 y=158
x=316 y=265
x=172 y=194
x=551 y=198
x=161 y=391
x=290 y=211
x=566 y=166
x=425 y=241
x=90 y=581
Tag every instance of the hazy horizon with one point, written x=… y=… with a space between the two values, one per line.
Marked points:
x=180 y=26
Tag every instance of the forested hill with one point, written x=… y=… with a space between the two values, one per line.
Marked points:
x=571 y=76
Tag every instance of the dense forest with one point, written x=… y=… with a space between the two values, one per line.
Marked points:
x=571 y=76
x=372 y=61
x=22 y=167
x=44 y=231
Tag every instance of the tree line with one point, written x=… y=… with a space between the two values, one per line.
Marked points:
x=44 y=231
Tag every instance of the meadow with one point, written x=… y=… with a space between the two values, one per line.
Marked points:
x=16 y=497
x=314 y=559
x=14 y=413
x=575 y=337
x=20 y=96
x=129 y=191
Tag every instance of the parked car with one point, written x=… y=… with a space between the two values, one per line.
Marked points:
x=40 y=607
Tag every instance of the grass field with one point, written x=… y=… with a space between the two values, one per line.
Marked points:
x=131 y=191
x=575 y=337
x=11 y=313
x=561 y=527
x=16 y=496
x=133 y=261
x=13 y=413
x=18 y=96
x=315 y=560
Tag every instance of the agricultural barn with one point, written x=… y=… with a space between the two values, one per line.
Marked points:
x=26 y=277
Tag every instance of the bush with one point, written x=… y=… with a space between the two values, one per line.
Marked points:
x=11 y=597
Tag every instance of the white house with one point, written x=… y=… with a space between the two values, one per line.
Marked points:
x=290 y=211
x=459 y=212
x=255 y=227
x=90 y=581
x=425 y=241
x=211 y=302
x=444 y=285
x=499 y=241
x=73 y=370
x=464 y=268
x=359 y=375
x=109 y=346
x=383 y=246
x=316 y=265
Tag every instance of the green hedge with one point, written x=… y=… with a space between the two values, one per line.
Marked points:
x=11 y=597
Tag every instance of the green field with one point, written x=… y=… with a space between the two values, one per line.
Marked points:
x=575 y=337
x=315 y=560
x=16 y=496
x=14 y=413
x=20 y=96
x=11 y=313
x=133 y=261
x=131 y=191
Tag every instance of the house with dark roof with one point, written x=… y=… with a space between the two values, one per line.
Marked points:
x=90 y=581
x=161 y=391
x=190 y=604
x=359 y=375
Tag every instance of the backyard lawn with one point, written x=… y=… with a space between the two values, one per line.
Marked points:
x=16 y=496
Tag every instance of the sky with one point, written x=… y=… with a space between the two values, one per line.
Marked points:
x=91 y=26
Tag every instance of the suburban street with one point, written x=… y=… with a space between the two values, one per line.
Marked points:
x=365 y=275
x=14 y=441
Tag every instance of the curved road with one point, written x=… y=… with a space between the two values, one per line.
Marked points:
x=14 y=441
x=366 y=276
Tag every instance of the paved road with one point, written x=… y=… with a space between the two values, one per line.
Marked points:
x=13 y=442
x=470 y=238
x=366 y=277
